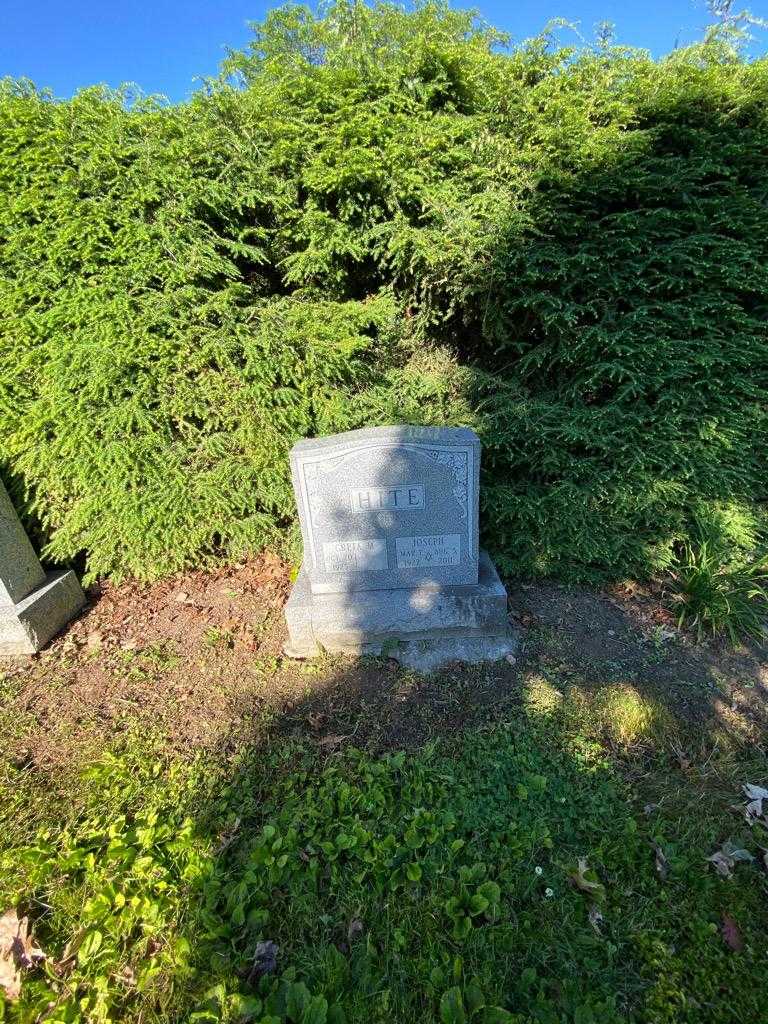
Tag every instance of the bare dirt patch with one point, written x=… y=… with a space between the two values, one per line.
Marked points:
x=197 y=659
x=625 y=635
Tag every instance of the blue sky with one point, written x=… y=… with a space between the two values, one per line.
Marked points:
x=161 y=45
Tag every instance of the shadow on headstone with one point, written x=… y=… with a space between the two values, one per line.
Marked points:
x=392 y=565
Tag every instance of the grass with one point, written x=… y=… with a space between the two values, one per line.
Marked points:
x=442 y=884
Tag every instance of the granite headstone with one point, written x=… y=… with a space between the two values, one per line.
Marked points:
x=34 y=605
x=389 y=521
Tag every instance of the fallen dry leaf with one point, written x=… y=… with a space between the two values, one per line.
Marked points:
x=662 y=864
x=330 y=741
x=10 y=975
x=725 y=859
x=585 y=879
x=264 y=960
x=682 y=758
x=731 y=933
x=595 y=919
x=754 y=810
x=228 y=835
x=17 y=952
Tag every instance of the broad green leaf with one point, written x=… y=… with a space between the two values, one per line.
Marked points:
x=452 y=1007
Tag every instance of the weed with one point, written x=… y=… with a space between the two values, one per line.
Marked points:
x=435 y=886
x=715 y=596
x=310 y=668
x=215 y=637
x=9 y=688
x=161 y=655
x=267 y=666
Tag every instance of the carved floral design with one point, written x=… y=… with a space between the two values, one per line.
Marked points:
x=319 y=497
x=458 y=463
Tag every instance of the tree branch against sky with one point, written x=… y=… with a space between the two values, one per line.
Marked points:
x=169 y=45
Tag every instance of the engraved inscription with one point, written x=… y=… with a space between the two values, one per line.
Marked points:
x=380 y=485
x=418 y=552
x=355 y=555
x=403 y=498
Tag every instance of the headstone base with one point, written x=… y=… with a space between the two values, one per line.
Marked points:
x=27 y=627
x=422 y=628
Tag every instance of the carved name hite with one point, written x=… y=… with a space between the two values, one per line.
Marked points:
x=403 y=498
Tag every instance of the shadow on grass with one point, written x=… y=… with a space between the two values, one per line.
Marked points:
x=400 y=837
x=371 y=870
x=630 y=681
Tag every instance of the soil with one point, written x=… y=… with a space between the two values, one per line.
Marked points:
x=197 y=659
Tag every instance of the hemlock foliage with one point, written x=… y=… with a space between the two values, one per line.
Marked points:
x=376 y=216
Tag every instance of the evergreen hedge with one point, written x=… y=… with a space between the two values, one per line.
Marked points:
x=376 y=216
